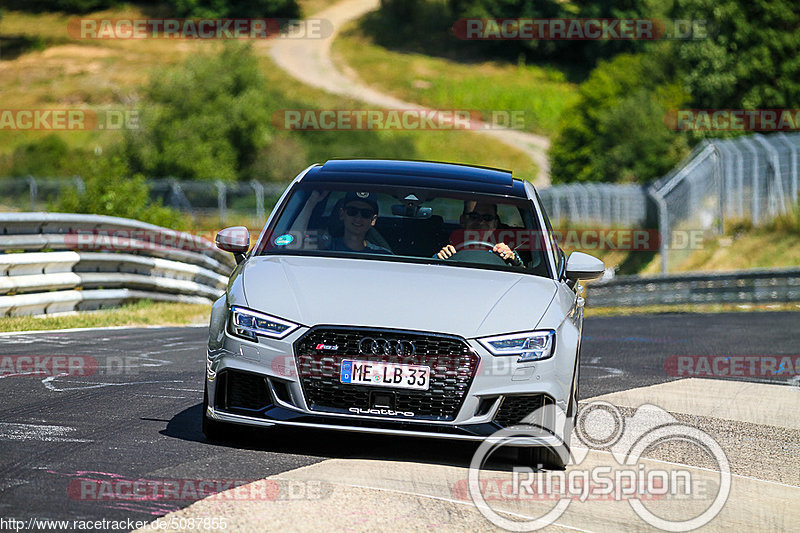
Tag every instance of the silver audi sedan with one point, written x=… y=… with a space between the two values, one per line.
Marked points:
x=398 y=297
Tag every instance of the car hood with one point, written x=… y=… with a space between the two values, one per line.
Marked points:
x=439 y=298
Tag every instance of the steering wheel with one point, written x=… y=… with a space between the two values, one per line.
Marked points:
x=476 y=256
x=464 y=244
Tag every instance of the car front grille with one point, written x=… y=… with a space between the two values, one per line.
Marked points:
x=452 y=363
x=519 y=410
x=242 y=391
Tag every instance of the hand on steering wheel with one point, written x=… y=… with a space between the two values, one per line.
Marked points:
x=507 y=254
x=449 y=250
x=501 y=249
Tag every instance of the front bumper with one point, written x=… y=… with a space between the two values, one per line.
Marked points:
x=286 y=418
x=499 y=391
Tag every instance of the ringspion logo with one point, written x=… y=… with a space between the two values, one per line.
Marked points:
x=649 y=487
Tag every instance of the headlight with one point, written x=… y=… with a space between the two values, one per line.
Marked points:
x=528 y=345
x=250 y=324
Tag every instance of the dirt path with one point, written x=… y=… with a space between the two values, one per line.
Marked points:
x=309 y=60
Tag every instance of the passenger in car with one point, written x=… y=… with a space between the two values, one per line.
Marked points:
x=358 y=213
x=482 y=217
x=355 y=216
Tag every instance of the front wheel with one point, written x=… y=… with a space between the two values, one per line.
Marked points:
x=542 y=457
x=212 y=429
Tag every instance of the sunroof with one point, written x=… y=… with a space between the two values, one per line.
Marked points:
x=421 y=169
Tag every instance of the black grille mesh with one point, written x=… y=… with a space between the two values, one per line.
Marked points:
x=515 y=408
x=246 y=391
x=451 y=360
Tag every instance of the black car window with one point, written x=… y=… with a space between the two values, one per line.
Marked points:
x=408 y=225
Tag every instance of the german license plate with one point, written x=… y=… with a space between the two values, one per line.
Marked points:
x=385 y=374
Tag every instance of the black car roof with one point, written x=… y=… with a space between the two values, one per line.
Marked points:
x=427 y=174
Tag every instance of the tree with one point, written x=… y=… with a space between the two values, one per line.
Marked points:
x=204 y=120
x=180 y=8
x=67 y=6
x=237 y=8
x=109 y=189
x=616 y=131
x=585 y=53
x=47 y=157
x=539 y=9
x=750 y=58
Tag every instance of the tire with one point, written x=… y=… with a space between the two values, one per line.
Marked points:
x=212 y=429
x=542 y=457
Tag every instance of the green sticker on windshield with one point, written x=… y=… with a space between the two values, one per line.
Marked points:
x=283 y=240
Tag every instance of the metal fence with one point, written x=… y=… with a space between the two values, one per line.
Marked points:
x=250 y=201
x=752 y=178
x=606 y=204
x=743 y=287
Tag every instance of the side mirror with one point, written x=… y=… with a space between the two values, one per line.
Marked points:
x=584 y=266
x=235 y=240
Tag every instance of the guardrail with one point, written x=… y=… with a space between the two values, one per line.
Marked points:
x=56 y=262
x=745 y=286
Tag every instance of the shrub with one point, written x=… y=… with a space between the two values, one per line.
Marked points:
x=67 y=6
x=616 y=131
x=109 y=189
x=47 y=157
x=236 y=8
x=205 y=120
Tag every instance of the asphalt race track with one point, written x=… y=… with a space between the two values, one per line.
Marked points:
x=138 y=415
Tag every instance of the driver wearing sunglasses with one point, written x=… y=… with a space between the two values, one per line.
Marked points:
x=482 y=217
x=358 y=213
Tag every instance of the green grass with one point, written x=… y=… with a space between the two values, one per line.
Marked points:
x=317 y=146
x=541 y=94
x=741 y=247
x=70 y=73
x=143 y=313
x=312 y=7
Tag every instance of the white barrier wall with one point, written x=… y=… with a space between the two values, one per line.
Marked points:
x=57 y=262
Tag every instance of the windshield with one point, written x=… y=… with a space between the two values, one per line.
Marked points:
x=413 y=225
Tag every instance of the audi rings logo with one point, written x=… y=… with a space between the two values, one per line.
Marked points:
x=380 y=346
